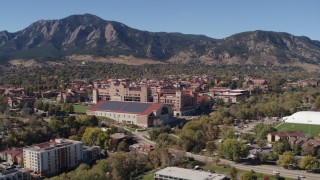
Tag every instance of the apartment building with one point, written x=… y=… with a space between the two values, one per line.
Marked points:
x=52 y=157
x=120 y=90
x=90 y=154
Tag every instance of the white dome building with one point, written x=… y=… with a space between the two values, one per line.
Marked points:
x=304 y=117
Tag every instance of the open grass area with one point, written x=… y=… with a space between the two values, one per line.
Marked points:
x=314 y=129
x=80 y=109
x=148 y=176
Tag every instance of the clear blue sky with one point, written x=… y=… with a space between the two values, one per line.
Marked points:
x=217 y=19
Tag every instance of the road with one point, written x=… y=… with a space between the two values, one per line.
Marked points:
x=138 y=136
x=264 y=169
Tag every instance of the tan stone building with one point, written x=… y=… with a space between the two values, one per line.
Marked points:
x=183 y=102
x=121 y=91
x=73 y=96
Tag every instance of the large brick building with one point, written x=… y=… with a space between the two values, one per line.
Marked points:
x=182 y=101
x=141 y=114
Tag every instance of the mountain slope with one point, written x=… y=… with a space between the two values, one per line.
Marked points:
x=90 y=35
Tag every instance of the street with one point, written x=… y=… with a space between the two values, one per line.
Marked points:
x=264 y=169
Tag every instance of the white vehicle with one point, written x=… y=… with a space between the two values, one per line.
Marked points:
x=301 y=176
x=275 y=172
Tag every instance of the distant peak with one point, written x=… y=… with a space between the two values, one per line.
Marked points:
x=84 y=16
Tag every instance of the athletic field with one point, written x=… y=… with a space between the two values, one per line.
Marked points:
x=314 y=129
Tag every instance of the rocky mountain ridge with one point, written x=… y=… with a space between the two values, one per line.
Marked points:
x=89 y=35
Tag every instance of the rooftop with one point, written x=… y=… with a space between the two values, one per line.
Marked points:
x=189 y=174
x=118 y=136
x=57 y=143
x=126 y=107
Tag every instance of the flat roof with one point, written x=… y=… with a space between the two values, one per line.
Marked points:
x=189 y=174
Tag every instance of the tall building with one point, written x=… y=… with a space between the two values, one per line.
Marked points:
x=121 y=91
x=52 y=157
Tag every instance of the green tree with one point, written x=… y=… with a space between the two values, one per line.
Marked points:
x=122 y=146
x=87 y=120
x=233 y=173
x=103 y=139
x=46 y=107
x=249 y=176
x=316 y=104
x=261 y=130
x=309 y=163
x=278 y=147
x=228 y=134
x=261 y=143
x=67 y=107
x=90 y=136
x=39 y=104
x=263 y=157
x=234 y=149
x=71 y=122
x=248 y=137
x=307 y=150
x=210 y=147
x=297 y=149
x=287 y=158
x=56 y=125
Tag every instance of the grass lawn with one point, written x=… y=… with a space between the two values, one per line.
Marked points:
x=314 y=129
x=148 y=175
x=80 y=109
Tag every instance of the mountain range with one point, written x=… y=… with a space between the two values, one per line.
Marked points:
x=88 y=37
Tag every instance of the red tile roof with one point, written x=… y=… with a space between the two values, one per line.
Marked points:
x=150 y=107
x=204 y=98
x=13 y=152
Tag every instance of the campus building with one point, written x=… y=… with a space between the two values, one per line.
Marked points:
x=182 y=102
x=73 y=96
x=21 y=100
x=118 y=90
x=141 y=114
x=52 y=157
x=174 y=173
x=228 y=95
